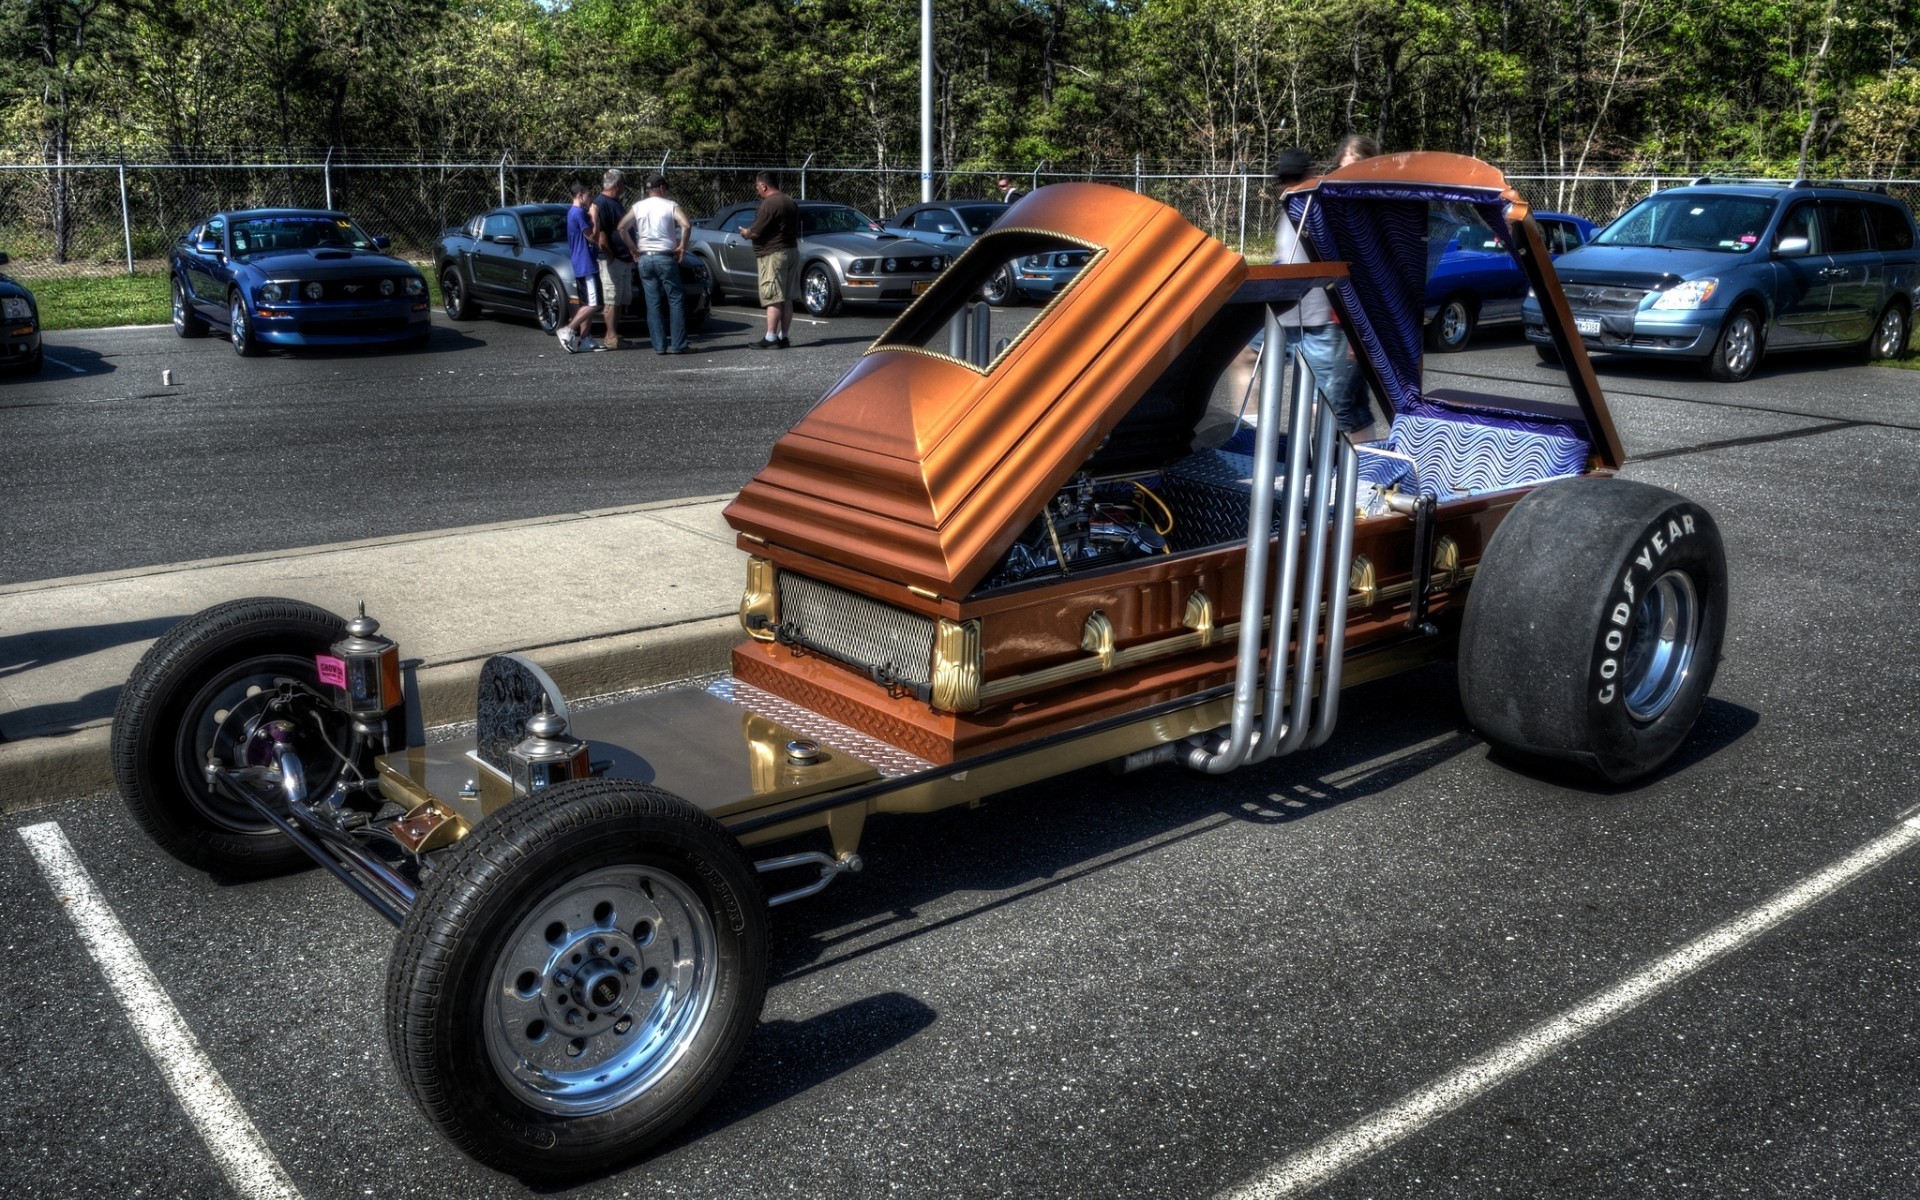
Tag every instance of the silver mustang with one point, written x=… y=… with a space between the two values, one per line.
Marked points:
x=845 y=258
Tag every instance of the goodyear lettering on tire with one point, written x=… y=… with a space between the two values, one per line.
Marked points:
x=1660 y=538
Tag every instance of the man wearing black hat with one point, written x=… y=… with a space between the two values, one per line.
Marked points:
x=657 y=231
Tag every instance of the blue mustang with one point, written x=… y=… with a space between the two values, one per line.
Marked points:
x=1478 y=283
x=294 y=277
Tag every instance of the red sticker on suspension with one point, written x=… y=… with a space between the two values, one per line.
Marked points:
x=332 y=670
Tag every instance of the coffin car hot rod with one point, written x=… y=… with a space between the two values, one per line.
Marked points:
x=985 y=557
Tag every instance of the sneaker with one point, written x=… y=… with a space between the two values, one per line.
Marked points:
x=610 y=342
x=589 y=344
x=569 y=340
x=766 y=344
x=783 y=343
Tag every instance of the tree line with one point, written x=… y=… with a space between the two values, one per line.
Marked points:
x=1744 y=86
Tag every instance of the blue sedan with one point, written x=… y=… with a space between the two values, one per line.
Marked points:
x=1477 y=281
x=294 y=277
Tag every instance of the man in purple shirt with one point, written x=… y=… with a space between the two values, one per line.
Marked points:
x=586 y=272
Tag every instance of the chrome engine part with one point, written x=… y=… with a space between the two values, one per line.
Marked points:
x=1089 y=523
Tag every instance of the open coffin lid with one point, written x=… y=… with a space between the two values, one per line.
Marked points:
x=921 y=469
x=1372 y=215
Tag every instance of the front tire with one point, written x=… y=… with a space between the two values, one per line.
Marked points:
x=1452 y=327
x=240 y=328
x=171 y=716
x=1736 y=352
x=1594 y=625
x=549 y=304
x=186 y=322
x=818 y=292
x=1889 y=340
x=1000 y=289
x=455 y=300
x=577 y=977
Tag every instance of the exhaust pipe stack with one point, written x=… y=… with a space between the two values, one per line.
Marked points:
x=1321 y=479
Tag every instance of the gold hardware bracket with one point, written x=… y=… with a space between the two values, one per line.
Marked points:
x=760 y=603
x=956 y=665
x=1362 y=584
x=1199 y=616
x=1096 y=636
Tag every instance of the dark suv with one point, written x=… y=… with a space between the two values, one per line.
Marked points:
x=1726 y=272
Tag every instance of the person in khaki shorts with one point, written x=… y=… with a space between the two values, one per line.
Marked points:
x=775 y=234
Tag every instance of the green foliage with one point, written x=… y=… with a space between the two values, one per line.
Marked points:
x=1218 y=84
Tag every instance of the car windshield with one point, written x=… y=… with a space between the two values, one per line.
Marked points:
x=835 y=219
x=267 y=235
x=1676 y=221
x=979 y=216
x=545 y=228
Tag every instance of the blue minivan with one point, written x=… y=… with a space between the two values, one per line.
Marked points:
x=1725 y=273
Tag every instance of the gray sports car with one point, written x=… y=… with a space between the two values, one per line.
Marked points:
x=515 y=259
x=845 y=257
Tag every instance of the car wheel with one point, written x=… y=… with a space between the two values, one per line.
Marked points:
x=1548 y=352
x=186 y=322
x=1451 y=327
x=818 y=291
x=1736 y=352
x=240 y=328
x=455 y=300
x=1593 y=626
x=175 y=710
x=715 y=294
x=549 y=304
x=1889 y=338
x=577 y=977
x=999 y=290
x=696 y=321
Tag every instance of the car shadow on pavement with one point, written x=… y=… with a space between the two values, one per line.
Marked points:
x=1031 y=840
x=64 y=362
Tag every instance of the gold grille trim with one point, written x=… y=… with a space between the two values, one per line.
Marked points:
x=760 y=603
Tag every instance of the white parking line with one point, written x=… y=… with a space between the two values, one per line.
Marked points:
x=1308 y=1169
x=224 y=1126
x=60 y=362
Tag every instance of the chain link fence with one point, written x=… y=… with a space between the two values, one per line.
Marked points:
x=91 y=219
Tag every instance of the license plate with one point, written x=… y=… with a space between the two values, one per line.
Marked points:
x=1590 y=326
x=921 y=285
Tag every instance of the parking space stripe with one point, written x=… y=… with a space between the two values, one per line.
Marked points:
x=212 y=1107
x=1333 y=1156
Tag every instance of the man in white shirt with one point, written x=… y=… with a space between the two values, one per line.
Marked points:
x=657 y=231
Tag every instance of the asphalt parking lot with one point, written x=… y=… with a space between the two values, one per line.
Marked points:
x=1393 y=966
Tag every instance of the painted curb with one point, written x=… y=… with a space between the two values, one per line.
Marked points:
x=41 y=770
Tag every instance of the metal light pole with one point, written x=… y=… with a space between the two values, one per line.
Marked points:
x=926 y=100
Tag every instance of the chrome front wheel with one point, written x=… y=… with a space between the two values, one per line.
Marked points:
x=601 y=990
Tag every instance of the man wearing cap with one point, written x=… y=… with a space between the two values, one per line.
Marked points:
x=656 y=231
x=616 y=264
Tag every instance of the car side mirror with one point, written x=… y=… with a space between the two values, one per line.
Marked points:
x=382 y=243
x=949 y=230
x=498 y=239
x=207 y=246
x=1792 y=247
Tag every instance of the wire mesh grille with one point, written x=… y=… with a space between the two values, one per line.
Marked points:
x=882 y=640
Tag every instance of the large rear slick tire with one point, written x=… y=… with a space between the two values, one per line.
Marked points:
x=577 y=977
x=172 y=714
x=1594 y=625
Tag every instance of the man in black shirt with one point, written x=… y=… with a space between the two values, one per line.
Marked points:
x=616 y=261
x=775 y=234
